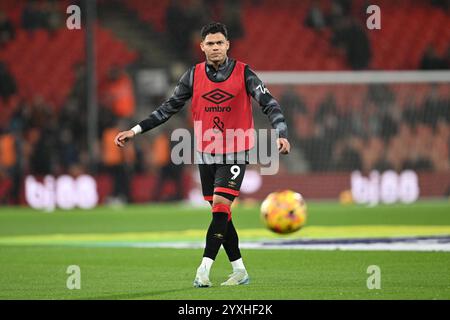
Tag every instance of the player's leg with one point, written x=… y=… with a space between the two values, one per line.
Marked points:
x=231 y=241
x=217 y=229
x=215 y=234
x=231 y=245
x=207 y=173
x=228 y=182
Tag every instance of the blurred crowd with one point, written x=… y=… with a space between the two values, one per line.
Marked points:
x=41 y=139
x=185 y=19
x=431 y=60
x=380 y=133
x=35 y=15
x=348 y=33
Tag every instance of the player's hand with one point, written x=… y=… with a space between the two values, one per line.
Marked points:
x=123 y=137
x=284 y=147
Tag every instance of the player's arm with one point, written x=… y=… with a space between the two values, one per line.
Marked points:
x=270 y=107
x=181 y=94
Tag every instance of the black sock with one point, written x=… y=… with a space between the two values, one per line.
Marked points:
x=216 y=234
x=231 y=243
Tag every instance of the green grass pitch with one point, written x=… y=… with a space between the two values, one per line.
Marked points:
x=36 y=249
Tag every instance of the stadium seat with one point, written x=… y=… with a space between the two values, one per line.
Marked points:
x=57 y=55
x=402 y=25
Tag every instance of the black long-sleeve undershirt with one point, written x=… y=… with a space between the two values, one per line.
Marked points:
x=184 y=90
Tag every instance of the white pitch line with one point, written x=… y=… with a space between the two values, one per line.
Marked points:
x=420 y=245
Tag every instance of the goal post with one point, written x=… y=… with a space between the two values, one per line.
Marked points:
x=366 y=121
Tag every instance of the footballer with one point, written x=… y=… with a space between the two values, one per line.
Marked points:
x=221 y=89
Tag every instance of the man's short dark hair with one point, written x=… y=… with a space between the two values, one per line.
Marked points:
x=214 y=27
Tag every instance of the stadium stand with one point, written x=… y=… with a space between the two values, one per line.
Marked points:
x=329 y=122
x=408 y=27
x=43 y=63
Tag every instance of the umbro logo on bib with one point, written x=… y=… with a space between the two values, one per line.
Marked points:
x=217 y=96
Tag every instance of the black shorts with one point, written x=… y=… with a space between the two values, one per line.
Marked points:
x=221 y=179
